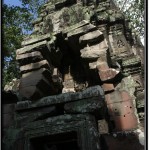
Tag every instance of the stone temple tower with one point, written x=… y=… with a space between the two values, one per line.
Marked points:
x=82 y=83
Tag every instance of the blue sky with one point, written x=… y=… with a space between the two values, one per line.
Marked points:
x=12 y=2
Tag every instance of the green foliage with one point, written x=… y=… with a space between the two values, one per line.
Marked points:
x=16 y=23
x=33 y=6
x=134 y=11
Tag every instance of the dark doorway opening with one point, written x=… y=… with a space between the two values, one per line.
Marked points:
x=62 y=141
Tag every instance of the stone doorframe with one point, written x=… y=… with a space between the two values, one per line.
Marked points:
x=83 y=124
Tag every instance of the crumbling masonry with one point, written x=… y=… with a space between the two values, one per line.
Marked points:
x=82 y=81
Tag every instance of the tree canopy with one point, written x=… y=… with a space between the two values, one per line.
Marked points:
x=134 y=10
x=16 y=23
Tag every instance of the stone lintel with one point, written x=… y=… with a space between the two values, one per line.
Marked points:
x=36 y=39
x=95 y=91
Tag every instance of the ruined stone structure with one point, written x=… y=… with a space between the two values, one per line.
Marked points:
x=82 y=84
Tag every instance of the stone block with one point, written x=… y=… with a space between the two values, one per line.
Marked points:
x=102 y=59
x=117 y=96
x=9 y=97
x=8 y=108
x=44 y=47
x=30 y=115
x=7 y=120
x=68 y=90
x=75 y=26
x=92 y=105
x=139 y=81
x=31 y=92
x=28 y=81
x=36 y=39
x=60 y=4
x=140 y=101
x=93 y=65
x=57 y=78
x=30 y=48
x=38 y=20
x=122 y=140
x=82 y=30
x=102 y=65
x=121 y=108
x=43 y=71
x=107 y=87
x=131 y=61
x=91 y=37
x=62 y=128
x=27 y=58
x=64 y=98
x=68 y=84
x=103 y=126
x=39 y=81
x=94 y=51
x=108 y=74
x=34 y=66
x=125 y=122
x=63 y=3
